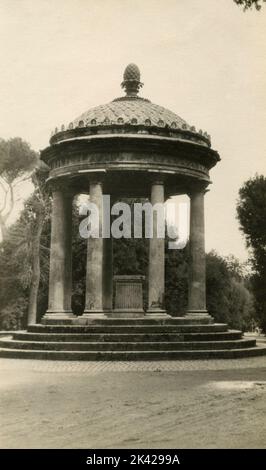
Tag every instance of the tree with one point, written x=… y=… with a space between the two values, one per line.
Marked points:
x=20 y=258
x=229 y=299
x=17 y=160
x=241 y=310
x=14 y=278
x=251 y=213
x=217 y=287
x=248 y=4
x=37 y=211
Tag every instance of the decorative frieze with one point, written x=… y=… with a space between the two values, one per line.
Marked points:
x=112 y=159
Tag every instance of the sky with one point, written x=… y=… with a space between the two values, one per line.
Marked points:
x=205 y=60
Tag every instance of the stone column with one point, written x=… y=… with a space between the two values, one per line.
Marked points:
x=156 y=259
x=108 y=273
x=197 y=275
x=107 y=258
x=60 y=280
x=94 y=303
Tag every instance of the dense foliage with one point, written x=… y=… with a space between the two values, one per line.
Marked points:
x=17 y=160
x=249 y=4
x=251 y=211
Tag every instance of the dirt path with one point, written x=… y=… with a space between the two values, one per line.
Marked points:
x=55 y=406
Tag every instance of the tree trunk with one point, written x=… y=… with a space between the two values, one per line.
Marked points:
x=3 y=229
x=35 y=277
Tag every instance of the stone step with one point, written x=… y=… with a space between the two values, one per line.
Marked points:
x=141 y=337
x=133 y=355
x=222 y=327
x=131 y=321
x=213 y=336
x=126 y=346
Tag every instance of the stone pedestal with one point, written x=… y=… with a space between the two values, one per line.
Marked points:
x=128 y=296
x=60 y=279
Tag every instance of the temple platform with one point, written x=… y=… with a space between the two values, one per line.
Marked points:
x=143 y=339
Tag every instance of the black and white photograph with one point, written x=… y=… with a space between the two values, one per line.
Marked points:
x=132 y=231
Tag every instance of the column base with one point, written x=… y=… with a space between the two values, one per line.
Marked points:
x=93 y=314
x=126 y=313
x=198 y=314
x=156 y=313
x=64 y=316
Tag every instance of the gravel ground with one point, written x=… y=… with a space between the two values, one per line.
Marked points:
x=168 y=404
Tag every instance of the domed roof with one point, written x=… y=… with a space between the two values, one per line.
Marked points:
x=128 y=110
x=132 y=113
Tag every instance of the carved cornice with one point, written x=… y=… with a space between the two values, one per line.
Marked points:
x=118 y=129
x=130 y=144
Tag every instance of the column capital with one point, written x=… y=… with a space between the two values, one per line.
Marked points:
x=96 y=181
x=157 y=181
x=61 y=185
x=156 y=177
x=198 y=188
x=96 y=177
